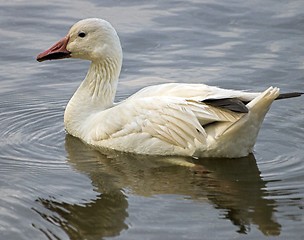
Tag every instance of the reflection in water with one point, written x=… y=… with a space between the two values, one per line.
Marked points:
x=232 y=185
x=103 y=217
x=235 y=185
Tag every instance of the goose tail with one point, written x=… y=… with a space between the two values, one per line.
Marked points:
x=237 y=139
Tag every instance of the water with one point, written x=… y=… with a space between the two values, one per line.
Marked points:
x=54 y=187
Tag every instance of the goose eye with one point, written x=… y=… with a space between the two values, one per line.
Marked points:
x=81 y=34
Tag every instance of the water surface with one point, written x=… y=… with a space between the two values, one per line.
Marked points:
x=52 y=186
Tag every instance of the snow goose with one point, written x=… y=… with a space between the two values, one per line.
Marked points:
x=167 y=119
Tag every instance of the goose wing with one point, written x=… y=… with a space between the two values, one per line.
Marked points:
x=177 y=121
x=198 y=92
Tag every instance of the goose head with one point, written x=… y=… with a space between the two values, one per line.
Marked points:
x=92 y=39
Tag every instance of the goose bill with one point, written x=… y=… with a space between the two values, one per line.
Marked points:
x=57 y=51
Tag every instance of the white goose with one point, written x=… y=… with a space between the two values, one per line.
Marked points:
x=167 y=119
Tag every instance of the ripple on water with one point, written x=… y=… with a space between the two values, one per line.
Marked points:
x=284 y=176
x=32 y=132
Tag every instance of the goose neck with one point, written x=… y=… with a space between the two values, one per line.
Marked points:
x=101 y=81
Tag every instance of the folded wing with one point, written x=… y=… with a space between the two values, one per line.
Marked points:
x=174 y=120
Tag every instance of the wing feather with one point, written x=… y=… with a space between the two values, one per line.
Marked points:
x=181 y=126
x=173 y=120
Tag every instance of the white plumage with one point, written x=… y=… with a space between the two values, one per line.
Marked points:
x=167 y=119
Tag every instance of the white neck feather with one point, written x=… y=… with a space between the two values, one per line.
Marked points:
x=101 y=82
x=96 y=93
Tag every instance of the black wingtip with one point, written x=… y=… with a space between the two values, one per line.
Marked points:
x=289 y=95
x=232 y=104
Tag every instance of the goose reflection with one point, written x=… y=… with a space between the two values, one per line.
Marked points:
x=235 y=186
x=232 y=185
x=102 y=217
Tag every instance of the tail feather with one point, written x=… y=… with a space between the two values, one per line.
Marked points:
x=238 y=138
